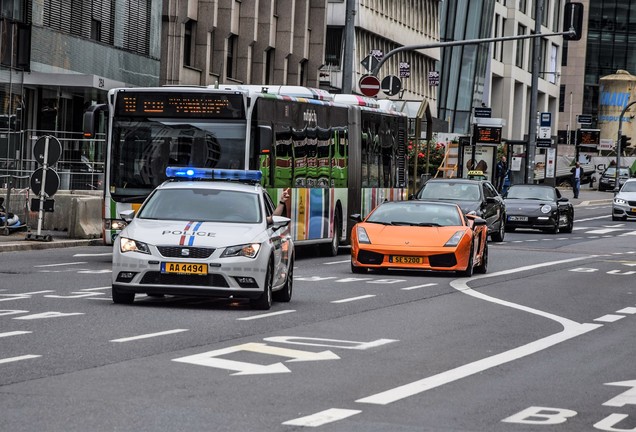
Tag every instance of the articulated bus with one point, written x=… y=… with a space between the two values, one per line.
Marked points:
x=338 y=154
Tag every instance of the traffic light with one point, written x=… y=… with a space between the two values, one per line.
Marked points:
x=625 y=140
x=573 y=20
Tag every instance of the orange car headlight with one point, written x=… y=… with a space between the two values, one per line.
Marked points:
x=454 y=240
x=362 y=236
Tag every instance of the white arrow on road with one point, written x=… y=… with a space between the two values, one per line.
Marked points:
x=211 y=358
x=626 y=398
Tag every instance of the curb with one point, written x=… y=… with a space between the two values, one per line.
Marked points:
x=26 y=245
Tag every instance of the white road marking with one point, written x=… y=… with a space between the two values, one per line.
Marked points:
x=14 y=359
x=322 y=417
x=592 y=218
x=571 y=329
x=350 y=299
x=266 y=315
x=149 y=335
x=627 y=310
x=14 y=333
x=609 y=318
x=60 y=264
x=337 y=262
x=418 y=286
x=94 y=254
x=96 y=289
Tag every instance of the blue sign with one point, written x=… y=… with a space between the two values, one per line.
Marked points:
x=545 y=119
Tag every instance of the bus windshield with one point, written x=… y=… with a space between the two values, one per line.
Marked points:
x=142 y=148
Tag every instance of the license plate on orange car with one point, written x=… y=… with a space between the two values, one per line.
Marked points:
x=405 y=259
x=184 y=268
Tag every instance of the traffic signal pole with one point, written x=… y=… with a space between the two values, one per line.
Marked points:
x=618 y=147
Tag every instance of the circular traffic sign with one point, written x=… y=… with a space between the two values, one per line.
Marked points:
x=52 y=182
x=391 y=85
x=54 y=153
x=369 y=85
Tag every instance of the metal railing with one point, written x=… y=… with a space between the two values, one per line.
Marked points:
x=80 y=167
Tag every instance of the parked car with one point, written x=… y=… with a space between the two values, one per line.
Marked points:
x=419 y=235
x=478 y=196
x=538 y=207
x=624 y=204
x=607 y=181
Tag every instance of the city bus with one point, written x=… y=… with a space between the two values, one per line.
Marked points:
x=337 y=154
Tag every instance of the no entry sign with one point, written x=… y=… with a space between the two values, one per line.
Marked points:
x=369 y=85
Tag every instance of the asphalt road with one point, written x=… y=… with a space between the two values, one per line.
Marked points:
x=541 y=342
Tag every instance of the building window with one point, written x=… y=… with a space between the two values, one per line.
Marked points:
x=230 y=59
x=302 y=78
x=188 y=46
x=333 y=46
x=562 y=98
x=96 y=29
x=269 y=65
x=521 y=30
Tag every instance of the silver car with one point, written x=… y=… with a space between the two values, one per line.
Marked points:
x=209 y=238
x=624 y=204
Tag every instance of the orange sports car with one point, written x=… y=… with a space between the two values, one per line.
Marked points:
x=419 y=235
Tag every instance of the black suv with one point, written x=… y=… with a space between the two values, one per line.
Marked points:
x=478 y=196
x=608 y=178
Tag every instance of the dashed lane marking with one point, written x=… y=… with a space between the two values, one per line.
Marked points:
x=149 y=335
x=354 y=298
x=266 y=315
x=322 y=417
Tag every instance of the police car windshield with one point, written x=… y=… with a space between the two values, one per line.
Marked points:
x=202 y=205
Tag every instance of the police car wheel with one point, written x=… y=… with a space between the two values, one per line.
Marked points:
x=120 y=297
x=285 y=294
x=264 y=302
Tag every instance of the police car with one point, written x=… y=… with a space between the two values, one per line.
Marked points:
x=205 y=232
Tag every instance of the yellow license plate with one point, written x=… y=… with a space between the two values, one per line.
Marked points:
x=184 y=268
x=405 y=260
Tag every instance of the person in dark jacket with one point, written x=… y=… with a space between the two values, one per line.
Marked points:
x=577 y=176
x=502 y=172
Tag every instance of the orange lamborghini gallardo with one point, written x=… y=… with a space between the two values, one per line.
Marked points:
x=419 y=235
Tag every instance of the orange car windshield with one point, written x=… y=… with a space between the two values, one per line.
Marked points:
x=416 y=214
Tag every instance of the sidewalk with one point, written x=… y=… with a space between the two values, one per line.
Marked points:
x=17 y=241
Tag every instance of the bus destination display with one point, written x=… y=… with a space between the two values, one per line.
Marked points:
x=171 y=104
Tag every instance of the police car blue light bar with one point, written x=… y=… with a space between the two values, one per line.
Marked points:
x=213 y=174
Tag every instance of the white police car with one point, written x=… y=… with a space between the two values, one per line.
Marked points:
x=205 y=232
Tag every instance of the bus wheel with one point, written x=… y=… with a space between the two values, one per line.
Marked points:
x=331 y=249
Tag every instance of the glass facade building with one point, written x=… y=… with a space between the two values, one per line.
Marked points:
x=463 y=68
x=611 y=45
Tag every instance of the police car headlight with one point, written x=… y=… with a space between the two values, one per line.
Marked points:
x=246 y=250
x=546 y=208
x=130 y=245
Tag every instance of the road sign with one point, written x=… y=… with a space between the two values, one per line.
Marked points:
x=54 y=152
x=545 y=119
x=52 y=181
x=544 y=142
x=370 y=62
x=369 y=85
x=545 y=132
x=391 y=85
x=405 y=70
x=584 y=118
x=483 y=112
x=433 y=78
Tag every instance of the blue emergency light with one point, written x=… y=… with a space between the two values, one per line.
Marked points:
x=191 y=173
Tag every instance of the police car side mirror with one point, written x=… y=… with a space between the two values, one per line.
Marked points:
x=127 y=215
x=279 y=222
